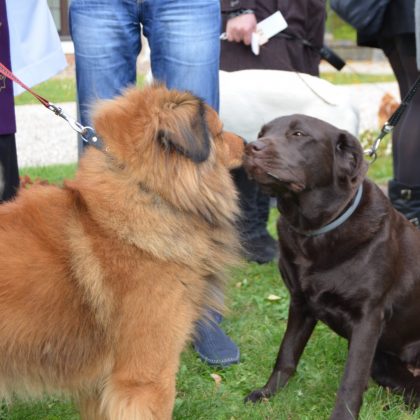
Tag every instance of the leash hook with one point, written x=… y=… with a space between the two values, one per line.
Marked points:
x=393 y=120
x=87 y=133
x=372 y=151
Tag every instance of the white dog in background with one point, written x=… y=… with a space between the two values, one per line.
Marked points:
x=251 y=98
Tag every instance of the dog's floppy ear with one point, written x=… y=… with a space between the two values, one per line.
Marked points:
x=182 y=127
x=351 y=166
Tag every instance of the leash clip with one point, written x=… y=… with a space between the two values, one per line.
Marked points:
x=372 y=152
x=87 y=133
x=393 y=120
x=75 y=125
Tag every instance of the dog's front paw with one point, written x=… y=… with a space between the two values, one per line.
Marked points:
x=258 y=395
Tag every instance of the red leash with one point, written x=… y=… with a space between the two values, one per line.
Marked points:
x=87 y=133
x=6 y=72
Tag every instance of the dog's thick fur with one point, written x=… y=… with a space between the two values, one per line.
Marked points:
x=101 y=281
x=362 y=278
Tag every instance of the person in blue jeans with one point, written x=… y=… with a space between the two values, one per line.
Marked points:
x=183 y=36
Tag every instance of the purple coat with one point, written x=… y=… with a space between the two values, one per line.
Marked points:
x=7 y=108
x=306 y=20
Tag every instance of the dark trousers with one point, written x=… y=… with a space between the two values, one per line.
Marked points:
x=9 y=172
x=254 y=205
x=404 y=189
x=401 y=53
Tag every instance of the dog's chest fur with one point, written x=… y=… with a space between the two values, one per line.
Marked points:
x=336 y=307
x=331 y=284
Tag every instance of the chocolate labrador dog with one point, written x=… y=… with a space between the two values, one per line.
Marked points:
x=347 y=258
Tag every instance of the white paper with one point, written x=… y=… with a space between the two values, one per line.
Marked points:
x=266 y=29
x=272 y=25
x=255 y=43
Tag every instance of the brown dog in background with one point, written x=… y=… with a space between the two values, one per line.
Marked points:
x=347 y=257
x=387 y=107
x=101 y=281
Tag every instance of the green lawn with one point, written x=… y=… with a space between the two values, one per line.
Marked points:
x=256 y=323
x=338 y=78
x=54 y=90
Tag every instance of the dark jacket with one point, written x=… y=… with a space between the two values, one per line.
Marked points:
x=306 y=20
x=398 y=20
x=7 y=114
x=417 y=20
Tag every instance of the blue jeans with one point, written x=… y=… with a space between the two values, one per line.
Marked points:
x=183 y=37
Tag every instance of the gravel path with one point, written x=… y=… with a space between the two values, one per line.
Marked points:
x=43 y=138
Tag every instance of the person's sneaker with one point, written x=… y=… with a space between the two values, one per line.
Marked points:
x=214 y=346
x=405 y=199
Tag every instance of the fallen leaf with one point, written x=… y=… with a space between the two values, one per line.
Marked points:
x=273 y=297
x=217 y=379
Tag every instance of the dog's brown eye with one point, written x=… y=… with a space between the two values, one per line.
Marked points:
x=340 y=146
x=298 y=133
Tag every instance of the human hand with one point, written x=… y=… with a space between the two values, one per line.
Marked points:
x=240 y=28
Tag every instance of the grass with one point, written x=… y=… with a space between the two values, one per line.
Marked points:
x=55 y=90
x=353 y=78
x=53 y=173
x=339 y=29
x=380 y=170
x=256 y=323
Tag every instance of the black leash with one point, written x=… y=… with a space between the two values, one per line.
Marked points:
x=325 y=52
x=393 y=120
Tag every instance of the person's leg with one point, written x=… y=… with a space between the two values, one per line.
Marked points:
x=256 y=242
x=271 y=246
x=106 y=37
x=404 y=189
x=9 y=172
x=408 y=142
x=247 y=190
x=185 y=46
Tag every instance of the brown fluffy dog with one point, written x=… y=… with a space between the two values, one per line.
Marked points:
x=101 y=281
